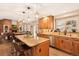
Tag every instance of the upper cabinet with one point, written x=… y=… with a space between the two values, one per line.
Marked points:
x=46 y=22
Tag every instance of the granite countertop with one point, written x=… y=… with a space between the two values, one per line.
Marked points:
x=18 y=33
x=30 y=41
x=72 y=35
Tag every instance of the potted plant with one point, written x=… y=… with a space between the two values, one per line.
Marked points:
x=14 y=28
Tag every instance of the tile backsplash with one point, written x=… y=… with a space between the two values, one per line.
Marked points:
x=44 y=30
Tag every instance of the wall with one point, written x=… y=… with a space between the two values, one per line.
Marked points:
x=5 y=22
x=62 y=19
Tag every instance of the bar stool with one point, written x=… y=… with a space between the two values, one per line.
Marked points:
x=12 y=47
x=27 y=50
x=21 y=48
x=18 y=48
x=0 y=39
x=24 y=49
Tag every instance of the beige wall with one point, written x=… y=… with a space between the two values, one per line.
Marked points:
x=69 y=16
x=7 y=22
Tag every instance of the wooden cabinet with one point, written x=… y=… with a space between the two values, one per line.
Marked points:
x=64 y=44
x=58 y=42
x=40 y=23
x=67 y=45
x=50 y=22
x=70 y=45
x=41 y=49
x=76 y=48
x=46 y=22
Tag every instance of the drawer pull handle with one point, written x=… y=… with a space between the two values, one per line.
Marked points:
x=40 y=50
x=66 y=39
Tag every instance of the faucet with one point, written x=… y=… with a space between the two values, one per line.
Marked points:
x=65 y=32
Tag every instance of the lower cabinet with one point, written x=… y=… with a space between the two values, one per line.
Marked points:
x=76 y=48
x=64 y=44
x=70 y=45
x=67 y=45
x=58 y=42
x=41 y=49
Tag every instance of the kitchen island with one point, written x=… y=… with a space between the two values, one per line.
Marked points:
x=38 y=46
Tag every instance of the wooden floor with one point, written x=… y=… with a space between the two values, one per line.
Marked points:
x=5 y=50
x=56 y=52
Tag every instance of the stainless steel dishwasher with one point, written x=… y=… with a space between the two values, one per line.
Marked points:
x=52 y=41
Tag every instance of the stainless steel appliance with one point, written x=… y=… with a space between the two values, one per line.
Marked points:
x=52 y=41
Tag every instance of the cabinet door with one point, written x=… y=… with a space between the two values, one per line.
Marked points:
x=40 y=23
x=50 y=22
x=67 y=45
x=41 y=49
x=43 y=23
x=58 y=42
x=46 y=23
x=76 y=48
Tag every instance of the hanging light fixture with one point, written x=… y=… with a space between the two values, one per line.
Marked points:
x=37 y=15
x=23 y=12
x=27 y=11
x=28 y=8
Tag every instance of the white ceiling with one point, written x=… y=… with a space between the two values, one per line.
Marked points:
x=14 y=11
